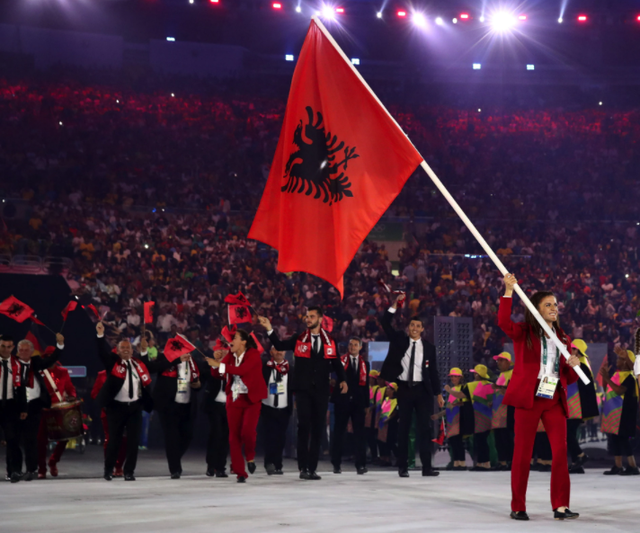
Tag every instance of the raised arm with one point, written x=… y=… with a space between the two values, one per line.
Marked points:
x=280 y=345
x=104 y=350
x=513 y=330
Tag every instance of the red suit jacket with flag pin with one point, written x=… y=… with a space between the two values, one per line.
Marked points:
x=340 y=162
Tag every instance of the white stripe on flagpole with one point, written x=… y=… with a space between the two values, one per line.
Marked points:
x=458 y=209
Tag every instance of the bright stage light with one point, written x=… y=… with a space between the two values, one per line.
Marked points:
x=439 y=21
x=355 y=61
x=531 y=67
x=477 y=66
x=328 y=13
x=522 y=17
x=276 y=5
x=482 y=18
x=298 y=9
x=171 y=39
x=454 y=20
x=191 y=1
x=288 y=57
x=464 y=16
x=402 y=14
x=582 y=18
x=502 y=21
x=599 y=103
x=340 y=10
x=638 y=18
x=215 y=1
x=419 y=20
x=379 y=14
x=560 y=20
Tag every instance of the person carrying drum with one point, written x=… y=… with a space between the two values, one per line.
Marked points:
x=32 y=371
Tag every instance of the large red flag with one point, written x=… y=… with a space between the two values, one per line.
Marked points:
x=176 y=347
x=237 y=299
x=148 y=312
x=340 y=162
x=239 y=314
x=15 y=309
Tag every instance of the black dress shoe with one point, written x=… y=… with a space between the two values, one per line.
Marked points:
x=15 y=477
x=337 y=470
x=278 y=472
x=566 y=515
x=251 y=467
x=270 y=468
x=175 y=475
x=314 y=476
x=630 y=471
x=430 y=472
x=221 y=473
x=129 y=477
x=403 y=472
x=582 y=460
x=362 y=470
x=305 y=474
x=108 y=476
x=210 y=473
x=519 y=515
x=242 y=479
x=576 y=469
x=615 y=471
x=28 y=476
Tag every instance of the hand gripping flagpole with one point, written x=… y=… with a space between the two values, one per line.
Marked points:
x=460 y=212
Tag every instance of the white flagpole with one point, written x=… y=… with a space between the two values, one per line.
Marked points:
x=460 y=212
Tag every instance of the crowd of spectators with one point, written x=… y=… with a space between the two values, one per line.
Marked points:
x=151 y=195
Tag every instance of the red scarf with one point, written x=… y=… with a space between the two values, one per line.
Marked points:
x=303 y=345
x=281 y=368
x=194 y=373
x=346 y=359
x=119 y=370
x=15 y=368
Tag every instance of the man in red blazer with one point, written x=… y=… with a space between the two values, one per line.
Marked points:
x=245 y=391
x=538 y=391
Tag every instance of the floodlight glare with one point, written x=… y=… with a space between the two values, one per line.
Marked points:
x=379 y=14
x=502 y=21
x=560 y=20
x=482 y=18
x=582 y=18
x=477 y=66
x=328 y=13
x=455 y=20
x=439 y=21
x=298 y=9
x=402 y=14
x=419 y=20
x=355 y=61
x=288 y=57
x=531 y=67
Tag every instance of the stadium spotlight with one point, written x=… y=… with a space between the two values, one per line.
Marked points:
x=560 y=19
x=439 y=21
x=173 y=95
x=171 y=39
x=276 y=5
x=482 y=18
x=454 y=20
x=298 y=9
x=479 y=110
x=379 y=14
x=355 y=61
x=419 y=20
x=638 y=18
x=582 y=18
x=502 y=21
x=191 y=1
x=531 y=67
x=402 y=14
x=599 y=103
x=522 y=17
x=214 y=1
x=464 y=16
x=340 y=10
x=288 y=57
x=477 y=66
x=328 y=12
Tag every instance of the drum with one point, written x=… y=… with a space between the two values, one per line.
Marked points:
x=64 y=421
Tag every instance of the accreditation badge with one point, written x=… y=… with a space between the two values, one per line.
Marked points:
x=547 y=387
x=183 y=385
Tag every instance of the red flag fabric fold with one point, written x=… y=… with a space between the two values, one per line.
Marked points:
x=340 y=162
x=327 y=323
x=239 y=314
x=148 y=312
x=68 y=308
x=228 y=333
x=16 y=310
x=93 y=309
x=176 y=347
x=237 y=299
x=260 y=347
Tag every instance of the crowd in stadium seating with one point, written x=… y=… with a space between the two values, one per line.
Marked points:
x=152 y=194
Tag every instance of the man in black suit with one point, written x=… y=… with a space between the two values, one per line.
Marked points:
x=316 y=355
x=13 y=406
x=214 y=405
x=37 y=399
x=351 y=406
x=173 y=398
x=411 y=363
x=276 y=410
x=124 y=395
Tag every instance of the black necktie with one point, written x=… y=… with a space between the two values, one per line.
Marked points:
x=5 y=381
x=275 y=399
x=352 y=371
x=315 y=344
x=130 y=379
x=412 y=362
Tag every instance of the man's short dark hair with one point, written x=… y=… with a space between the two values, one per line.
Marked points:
x=317 y=309
x=6 y=338
x=417 y=319
x=354 y=338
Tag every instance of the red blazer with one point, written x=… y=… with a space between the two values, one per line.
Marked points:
x=522 y=387
x=250 y=371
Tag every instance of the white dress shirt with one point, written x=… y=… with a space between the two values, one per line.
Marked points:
x=9 y=379
x=552 y=355
x=282 y=398
x=417 y=363
x=183 y=374
x=238 y=385
x=636 y=365
x=123 y=395
x=33 y=393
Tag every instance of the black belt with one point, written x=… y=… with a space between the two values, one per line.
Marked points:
x=411 y=385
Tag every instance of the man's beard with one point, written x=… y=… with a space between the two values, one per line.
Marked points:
x=314 y=326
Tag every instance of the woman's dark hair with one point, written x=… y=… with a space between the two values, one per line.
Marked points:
x=531 y=320
x=246 y=337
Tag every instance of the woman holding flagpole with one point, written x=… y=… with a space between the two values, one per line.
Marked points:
x=245 y=390
x=538 y=391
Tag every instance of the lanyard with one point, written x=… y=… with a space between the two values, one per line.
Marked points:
x=544 y=355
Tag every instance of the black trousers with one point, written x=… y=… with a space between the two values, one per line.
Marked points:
x=343 y=412
x=312 y=423
x=372 y=441
x=573 y=425
x=416 y=399
x=457 y=448
x=504 y=444
x=274 y=432
x=481 y=445
x=218 y=441
x=620 y=446
x=177 y=426
x=28 y=430
x=123 y=416
x=9 y=420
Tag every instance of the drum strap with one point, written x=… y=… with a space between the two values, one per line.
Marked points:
x=53 y=384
